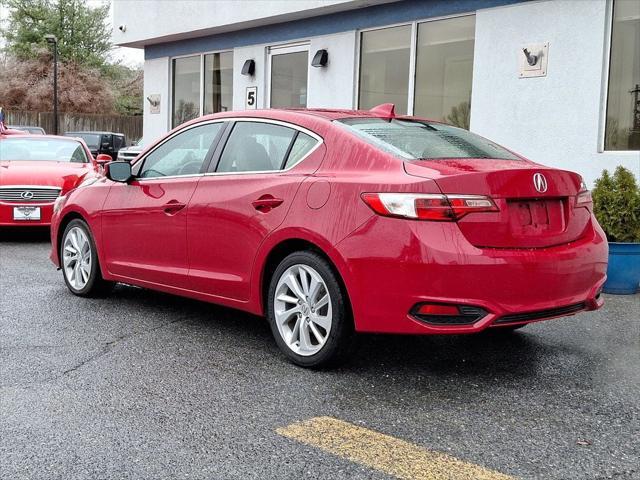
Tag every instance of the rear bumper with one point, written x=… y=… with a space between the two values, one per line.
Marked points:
x=396 y=264
x=6 y=215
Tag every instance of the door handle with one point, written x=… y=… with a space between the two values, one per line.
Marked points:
x=266 y=203
x=173 y=207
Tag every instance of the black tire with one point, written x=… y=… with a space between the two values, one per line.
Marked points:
x=96 y=286
x=336 y=348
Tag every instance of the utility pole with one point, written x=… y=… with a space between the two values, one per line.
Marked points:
x=52 y=40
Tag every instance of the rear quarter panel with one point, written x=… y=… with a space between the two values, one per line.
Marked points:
x=328 y=205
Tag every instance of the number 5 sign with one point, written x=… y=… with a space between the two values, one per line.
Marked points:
x=251 y=99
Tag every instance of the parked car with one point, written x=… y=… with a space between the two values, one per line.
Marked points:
x=29 y=129
x=35 y=170
x=106 y=143
x=129 y=153
x=330 y=222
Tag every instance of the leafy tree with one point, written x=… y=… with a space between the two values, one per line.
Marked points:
x=26 y=85
x=84 y=37
x=616 y=202
x=127 y=84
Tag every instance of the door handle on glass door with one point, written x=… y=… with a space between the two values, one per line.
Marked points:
x=173 y=207
x=266 y=203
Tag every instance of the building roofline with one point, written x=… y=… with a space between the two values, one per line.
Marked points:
x=378 y=15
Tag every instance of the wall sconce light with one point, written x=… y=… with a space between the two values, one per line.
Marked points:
x=249 y=68
x=320 y=59
x=531 y=58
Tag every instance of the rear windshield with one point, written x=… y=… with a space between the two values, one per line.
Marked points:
x=23 y=148
x=414 y=140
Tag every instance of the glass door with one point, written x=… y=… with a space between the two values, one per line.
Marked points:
x=288 y=74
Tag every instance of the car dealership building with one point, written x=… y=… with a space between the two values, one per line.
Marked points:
x=555 y=80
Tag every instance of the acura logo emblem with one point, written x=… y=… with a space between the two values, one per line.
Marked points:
x=540 y=182
x=27 y=195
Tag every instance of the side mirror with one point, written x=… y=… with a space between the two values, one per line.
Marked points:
x=103 y=158
x=118 y=171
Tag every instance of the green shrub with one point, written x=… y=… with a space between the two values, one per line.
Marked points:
x=616 y=204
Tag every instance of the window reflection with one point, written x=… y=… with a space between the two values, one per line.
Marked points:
x=186 y=89
x=289 y=80
x=218 y=82
x=622 y=130
x=384 y=68
x=444 y=70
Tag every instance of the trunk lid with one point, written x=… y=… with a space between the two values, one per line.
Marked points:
x=528 y=217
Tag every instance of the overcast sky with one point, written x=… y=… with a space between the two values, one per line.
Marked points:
x=129 y=56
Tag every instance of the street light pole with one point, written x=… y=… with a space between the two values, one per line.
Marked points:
x=52 y=40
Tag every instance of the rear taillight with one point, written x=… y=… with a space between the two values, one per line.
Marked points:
x=583 y=199
x=418 y=206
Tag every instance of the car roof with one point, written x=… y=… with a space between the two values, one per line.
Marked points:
x=25 y=136
x=40 y=137
x=92 y=132
x=302 y=114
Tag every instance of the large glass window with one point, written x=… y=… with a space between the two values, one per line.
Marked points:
x=442 y=62
x=622 y=130
x=444 y=70
x=186 y=89
x=183 y=154
x=384 y=67
x=289 y=79
x=218 y=82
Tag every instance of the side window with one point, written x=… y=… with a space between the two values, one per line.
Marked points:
x=118 y=142
x=256 y=147
x=183 y=154
x=301 y=147
x=108 y=139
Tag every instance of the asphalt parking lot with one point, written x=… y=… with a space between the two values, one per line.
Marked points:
x=144 y=385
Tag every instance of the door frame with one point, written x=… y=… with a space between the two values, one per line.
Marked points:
x=274 y=50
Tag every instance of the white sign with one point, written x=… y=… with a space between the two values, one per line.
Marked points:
x=532 y=60
x=251 y=99
x=154 y=103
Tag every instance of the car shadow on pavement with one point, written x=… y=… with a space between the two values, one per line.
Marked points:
x=487 y=354
x=24 y=234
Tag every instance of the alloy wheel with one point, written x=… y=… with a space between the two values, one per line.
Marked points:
x=303 y=309
x=76 y=258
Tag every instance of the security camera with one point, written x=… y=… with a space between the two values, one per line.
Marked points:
x=122 y=28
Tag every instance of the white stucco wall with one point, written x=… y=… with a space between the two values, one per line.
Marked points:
x=258 y=54
x=333 y=85
x=156 y=81
x=149 y=21
x=555 y=120
x=328 y=87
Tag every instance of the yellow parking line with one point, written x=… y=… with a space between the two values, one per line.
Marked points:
x=384 y=453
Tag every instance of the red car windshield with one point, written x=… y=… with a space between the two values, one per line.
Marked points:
x=42 y=149
x=414 y=140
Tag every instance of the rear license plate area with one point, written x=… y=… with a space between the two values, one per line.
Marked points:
x=536 y=215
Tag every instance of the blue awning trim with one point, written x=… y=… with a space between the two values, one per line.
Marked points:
x=368 y=17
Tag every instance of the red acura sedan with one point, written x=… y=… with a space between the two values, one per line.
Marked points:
x=334 y=222
x=34 y=171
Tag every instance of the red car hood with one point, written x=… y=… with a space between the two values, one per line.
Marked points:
x=65 y=175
